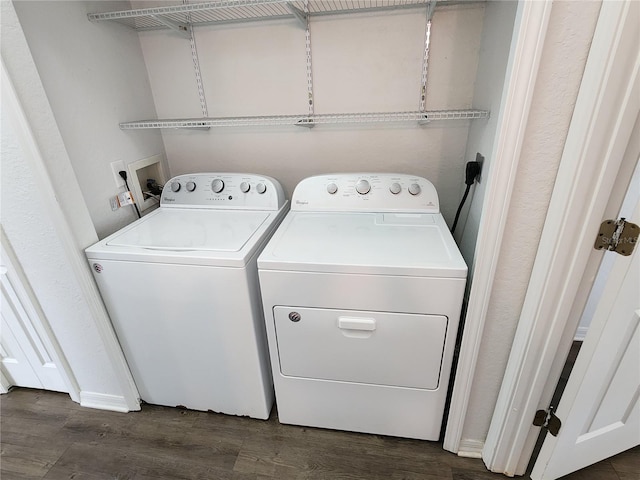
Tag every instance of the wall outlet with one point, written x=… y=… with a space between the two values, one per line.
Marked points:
x=480 y=160
x=125 y=198
x=115 y=168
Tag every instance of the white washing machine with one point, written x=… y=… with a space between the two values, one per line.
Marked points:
x=181 y=288
x=362 y=287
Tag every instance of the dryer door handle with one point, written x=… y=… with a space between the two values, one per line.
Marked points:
x=354 y=323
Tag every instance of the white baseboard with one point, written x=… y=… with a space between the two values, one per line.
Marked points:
x=581 y=333
x=5 y=384
x=470 y=448
x=103 y=401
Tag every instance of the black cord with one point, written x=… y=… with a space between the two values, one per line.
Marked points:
x=464 y=199
x=472 y=170
x=123 y=174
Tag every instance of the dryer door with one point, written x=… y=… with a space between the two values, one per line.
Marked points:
x=394 y=349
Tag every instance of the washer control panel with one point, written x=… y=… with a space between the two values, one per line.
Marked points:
x=373 y=192
x=223 y=190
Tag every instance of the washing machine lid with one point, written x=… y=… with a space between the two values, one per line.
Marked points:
x=416 y=244
x=190 y=236
x=188 y=230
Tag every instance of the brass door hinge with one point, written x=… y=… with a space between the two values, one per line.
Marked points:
x=618 y=236
x=548 y=420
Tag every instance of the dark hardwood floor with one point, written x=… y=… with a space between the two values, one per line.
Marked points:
x=45 y=435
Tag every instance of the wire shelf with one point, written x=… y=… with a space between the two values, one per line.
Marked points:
x=228 y=11
x=309 y=120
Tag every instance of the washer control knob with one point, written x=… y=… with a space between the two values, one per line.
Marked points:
x=217 y=185
x=414 y=189
x=245 y=187
x=261 y=188
x=395 y=188
x=294 y=317
x=175 y=186
x=363 y=187
x=332 y=188
x=191 y=186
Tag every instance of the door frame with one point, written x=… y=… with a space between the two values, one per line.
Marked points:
x=591 y=172
x=527 y=43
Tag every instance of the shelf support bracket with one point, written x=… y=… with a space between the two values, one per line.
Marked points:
x=424 y=121
x=431 y=6
x=305 y=122
x=299 y=15
x=307 y=36
x=181 y=29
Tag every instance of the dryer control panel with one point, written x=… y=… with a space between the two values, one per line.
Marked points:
x=366 y=192
x=223 y=190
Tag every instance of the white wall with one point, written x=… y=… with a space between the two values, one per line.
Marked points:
x=361 y=63
x=35 y=242
x=49 y=227
x=20 y=66
x=494 y=51
x=566 y=48
x=94 y=77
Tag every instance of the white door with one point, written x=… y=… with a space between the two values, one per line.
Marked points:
x=16 y=367
x=25 y=358
x=600 y=407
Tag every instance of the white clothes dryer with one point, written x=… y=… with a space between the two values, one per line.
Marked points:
x=181 y=289
x=362 y=286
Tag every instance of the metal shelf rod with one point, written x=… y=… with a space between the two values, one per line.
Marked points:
x=309 y=120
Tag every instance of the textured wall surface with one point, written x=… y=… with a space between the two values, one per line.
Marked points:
x=494 y=52
x=565 y=51
x=94 y=77
x=32 y=235
x=26 y=81
x=361 y=63
x=26 y=213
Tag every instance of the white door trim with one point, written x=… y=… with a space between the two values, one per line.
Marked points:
x=530 y=29
x=20 y=285
x=5 y=385
x=74 y=254
x=605 y=113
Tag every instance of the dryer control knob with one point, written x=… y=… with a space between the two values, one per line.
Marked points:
x=191 y=186
x=217 y=185
x=175 y=186
x=332 y=188
x=363 y=187
x=261 y=188
x=414 y=189
x=395 y=188
x=245 y=187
